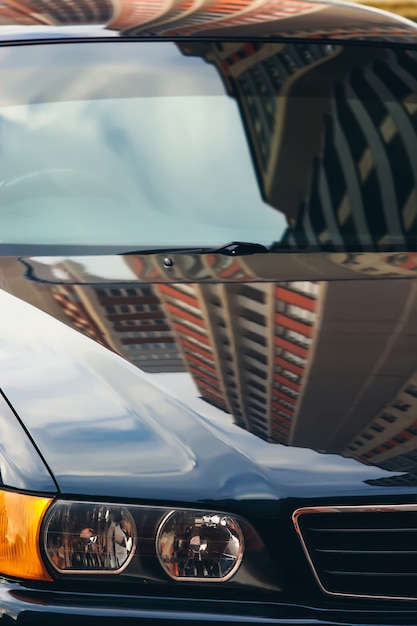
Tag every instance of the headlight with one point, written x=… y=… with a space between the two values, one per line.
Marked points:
x=195 y=546
x=45 y=539
x=149 y=542
x=89 y=537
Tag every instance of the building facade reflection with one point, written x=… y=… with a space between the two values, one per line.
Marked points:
x=309 y=364
x=189 y=17
x=247 y=347
x=390 y=439
x=128 y=319
x=329 y=155
x=255 y=351
x=136 y=17
x=367 y=158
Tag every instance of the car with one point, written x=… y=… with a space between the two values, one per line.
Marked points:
x=208 y=307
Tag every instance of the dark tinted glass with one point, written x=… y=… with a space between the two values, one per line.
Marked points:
x=298 y=146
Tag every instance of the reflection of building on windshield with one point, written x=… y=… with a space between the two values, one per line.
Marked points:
x=363 y=183
x=331 y=135
x=256 y=75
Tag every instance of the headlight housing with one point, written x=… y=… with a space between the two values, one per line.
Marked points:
x=82 y=538
x=50 y=540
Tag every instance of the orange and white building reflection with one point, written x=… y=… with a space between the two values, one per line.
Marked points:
x=128 y=319
x=164 y=17
x=324 y=365
x=247 y=347
x=177 y=18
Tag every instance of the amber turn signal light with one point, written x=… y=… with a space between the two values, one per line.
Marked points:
x=20 y=520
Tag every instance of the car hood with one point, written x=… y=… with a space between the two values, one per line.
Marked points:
x=232 y=386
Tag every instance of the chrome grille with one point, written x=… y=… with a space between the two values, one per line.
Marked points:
x=368 y=551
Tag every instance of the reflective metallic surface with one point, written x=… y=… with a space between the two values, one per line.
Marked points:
x=256 y=385
x=180 y=431
x=369 y=523
x=21 y=466
x=242 y=18
x=311 y=350
x=280 y=360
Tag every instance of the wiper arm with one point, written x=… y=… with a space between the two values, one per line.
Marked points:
x=235 y=248
x=241 y=248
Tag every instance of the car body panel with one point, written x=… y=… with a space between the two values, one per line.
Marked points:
x=21 y=464
x=341 y=21
x=117 y=422
x=253 y=385
x=46 y=608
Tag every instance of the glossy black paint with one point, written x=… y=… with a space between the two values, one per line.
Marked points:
x=21 y=465
x=111 y=431
x=253 y=385
x=46 y=607
x=117 y=423
x=38 y=21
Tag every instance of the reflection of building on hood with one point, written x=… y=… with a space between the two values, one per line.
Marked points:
x=390 y=440
x=402 y=480
x=261 y=353
x=247 y=347
x=128 y=320
x=382 y=265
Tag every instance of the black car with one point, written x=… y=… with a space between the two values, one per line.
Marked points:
x=208 y=313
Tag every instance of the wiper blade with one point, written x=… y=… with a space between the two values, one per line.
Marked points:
x=235 y=248
x=241 y=248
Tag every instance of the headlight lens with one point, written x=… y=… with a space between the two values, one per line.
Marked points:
x=89 y=537
x=195 y=546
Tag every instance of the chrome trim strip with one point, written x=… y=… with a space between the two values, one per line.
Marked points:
x=368 y=508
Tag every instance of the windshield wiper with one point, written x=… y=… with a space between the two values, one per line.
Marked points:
x=235 y=248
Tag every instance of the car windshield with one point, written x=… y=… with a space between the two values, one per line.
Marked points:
x=147 y=144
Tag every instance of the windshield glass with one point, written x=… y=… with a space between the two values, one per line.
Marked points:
x=198 y=144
